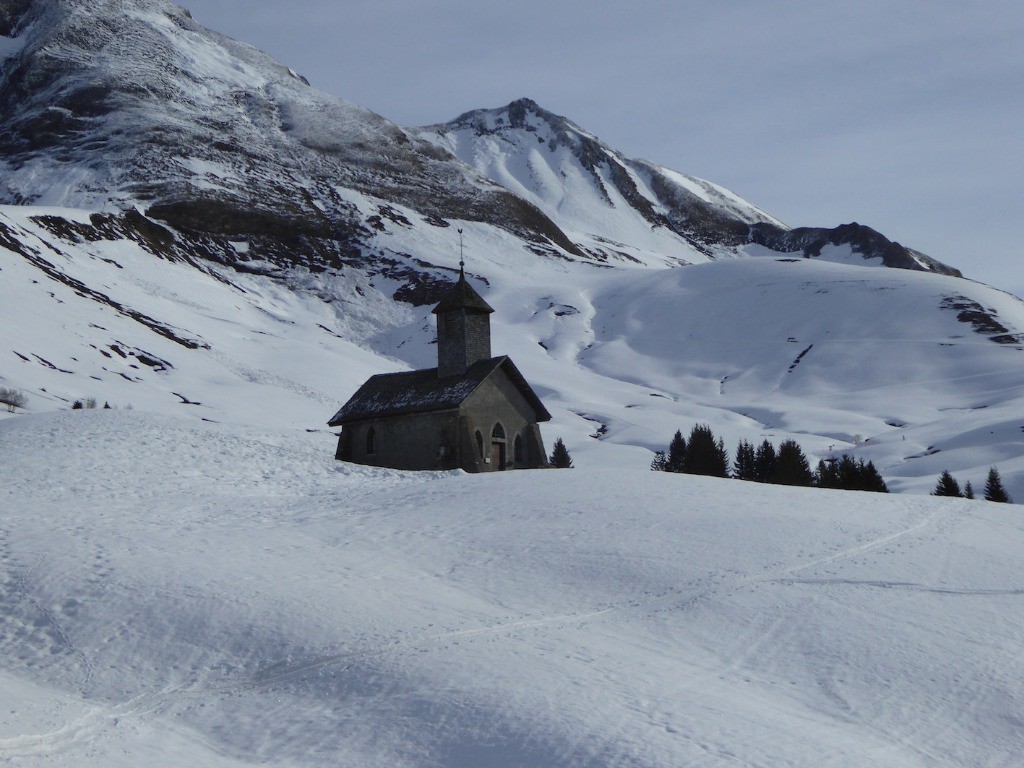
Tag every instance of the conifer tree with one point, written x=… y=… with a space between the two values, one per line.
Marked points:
x=744 y=467
x=705 y=455
x=968 y=490
x=676 y=458
x=994 y=490
x=560 y=458
x=659 y=462
x=947 y=486
x=826 y=475
x=849 y=474
x=764 y=462
x=872 y=479
x=791 y=467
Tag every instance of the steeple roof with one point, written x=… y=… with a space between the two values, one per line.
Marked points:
x=462 y=296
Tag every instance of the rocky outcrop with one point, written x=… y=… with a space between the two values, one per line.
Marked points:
x=809 y=241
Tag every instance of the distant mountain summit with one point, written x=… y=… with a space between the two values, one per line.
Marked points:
x=614 y=206
x=119 y=104
x=617 y=207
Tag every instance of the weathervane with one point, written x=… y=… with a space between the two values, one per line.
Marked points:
x=462 y=261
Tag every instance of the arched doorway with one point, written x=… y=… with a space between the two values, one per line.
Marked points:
x=498 y=443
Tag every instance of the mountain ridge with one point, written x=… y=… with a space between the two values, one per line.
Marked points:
x=213 y=137
x=709 y=220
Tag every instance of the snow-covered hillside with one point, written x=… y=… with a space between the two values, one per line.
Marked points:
x=915 y=371
x=177 y=592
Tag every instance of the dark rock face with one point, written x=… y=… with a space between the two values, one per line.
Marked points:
x=863 y=240
x=701 y=223
x=11 y=14
x=983 y=320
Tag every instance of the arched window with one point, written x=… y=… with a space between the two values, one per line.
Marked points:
x=517 y=452
x=498 y=433
x=371 y=440
x=479 y=444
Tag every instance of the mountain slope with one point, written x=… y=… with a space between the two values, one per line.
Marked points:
x=130 y=102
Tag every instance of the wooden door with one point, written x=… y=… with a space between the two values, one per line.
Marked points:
x=497 y=456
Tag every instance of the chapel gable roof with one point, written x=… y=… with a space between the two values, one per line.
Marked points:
x=394 y=394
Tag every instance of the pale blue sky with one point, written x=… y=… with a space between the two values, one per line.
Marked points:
x=903 y=116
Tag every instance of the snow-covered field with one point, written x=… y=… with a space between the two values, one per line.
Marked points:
x=176 y=592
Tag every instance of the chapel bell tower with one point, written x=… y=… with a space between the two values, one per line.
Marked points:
x=463 y=327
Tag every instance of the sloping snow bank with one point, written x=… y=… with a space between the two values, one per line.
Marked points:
x=179 y=592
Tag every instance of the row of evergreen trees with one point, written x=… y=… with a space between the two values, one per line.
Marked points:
x=703 y=454
x=994 y=490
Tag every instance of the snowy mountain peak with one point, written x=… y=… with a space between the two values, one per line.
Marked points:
x=527 y=116
x=628 y=210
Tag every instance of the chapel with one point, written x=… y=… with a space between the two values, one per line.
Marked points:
x=472 y=411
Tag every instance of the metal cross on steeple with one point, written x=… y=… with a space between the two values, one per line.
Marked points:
x=462 y=261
